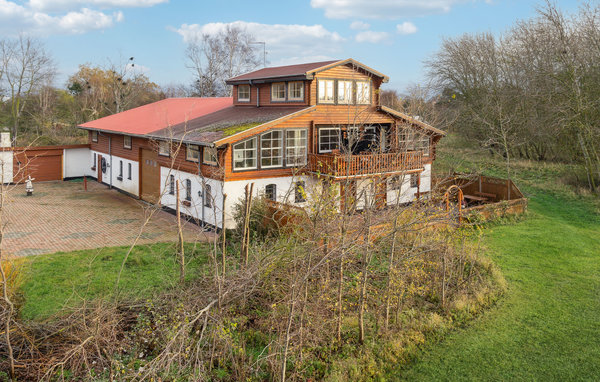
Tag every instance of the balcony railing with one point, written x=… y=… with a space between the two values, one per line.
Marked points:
x=340 y=165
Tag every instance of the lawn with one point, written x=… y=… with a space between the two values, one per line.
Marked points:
x=547 y=325
x=54 y=281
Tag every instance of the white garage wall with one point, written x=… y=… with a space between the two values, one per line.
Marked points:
x=131 y=186
x=6 y=166
x=75 y=162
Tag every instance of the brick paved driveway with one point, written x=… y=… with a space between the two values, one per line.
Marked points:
x=61 y=216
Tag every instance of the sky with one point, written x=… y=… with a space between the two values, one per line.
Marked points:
x=394 y=37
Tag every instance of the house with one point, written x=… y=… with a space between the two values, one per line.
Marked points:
x=285 y=129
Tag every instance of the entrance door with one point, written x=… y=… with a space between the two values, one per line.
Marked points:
x=99 y=167
x=150 y=176
x=380 y=194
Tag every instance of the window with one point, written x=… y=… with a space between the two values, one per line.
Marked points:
x=295 y=147
x=188 y=190
x=209 y=155
x=207 y=196
x=329 y=139
x=192 y=153
x=300 y=193
x=126 y=141
x=326 y=91
x=410 y=140
x=171 y=184
x=129 y=171
x=244 y=155
x=363 y=92
x=94 y=136
x=271 y=150
x=344 y=92
x=422 y=143
x=271 y=192
x=163 y=148
x=414 y=180
x=278 y=91
x=296 y=91
x=120 y=177
x=396 y=182
x=95 y=160
x=243 y=92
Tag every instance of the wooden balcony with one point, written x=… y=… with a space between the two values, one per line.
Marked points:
x=342 y=165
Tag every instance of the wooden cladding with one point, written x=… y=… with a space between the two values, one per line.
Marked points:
x=339 y=165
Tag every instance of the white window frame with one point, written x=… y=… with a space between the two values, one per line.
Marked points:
x=292 y=89
x=345 y=88
x=300 y=192
x=361 y=99
x=274 y=85
x=240 y=98
x=125 y=139
x=298 y=149
x=209 y=156
x=414 y=180
x=189 y=149
x=324 y=88
x=271 y=189
x=321 y=135
x=244 y=151
x=271 y=148
x=164 y=148
x=94 y=136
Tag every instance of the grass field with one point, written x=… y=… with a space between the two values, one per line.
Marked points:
x=547 y=326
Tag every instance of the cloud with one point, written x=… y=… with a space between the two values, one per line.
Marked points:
x=383 y=9
x=406 y=28
x=359 y=25
x=371 y=36
x=67 y=5
x=285 y=43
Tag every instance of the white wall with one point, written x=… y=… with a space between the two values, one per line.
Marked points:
x=131 y=186
x=406 y=192
x=75 y=162
x=6 y=166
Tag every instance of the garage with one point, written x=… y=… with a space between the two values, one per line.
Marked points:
x=41 y=163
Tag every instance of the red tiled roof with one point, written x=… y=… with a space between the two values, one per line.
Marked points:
x=282 y=71
x=159 y=115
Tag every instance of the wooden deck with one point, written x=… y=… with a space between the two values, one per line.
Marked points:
x=342 y=165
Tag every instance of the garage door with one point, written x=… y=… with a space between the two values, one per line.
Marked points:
x=41 y=165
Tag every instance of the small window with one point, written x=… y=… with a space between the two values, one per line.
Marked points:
x=414 y=180
x=278 y=91
x=126 y=141
x=244 y=155
x=188 y=190
x=296 y=91
x=271 y=192
x=243 y=92
x=396 y=183
x=209 y=155
x=363 y=92
x=207 y=196
x=171 y=184
x=164 y=148
x=300 y=193
x=95 y=160
x=326 y=91
x=129 y=171
x=295 y=147
x=344 y=92
x=192 y=153
x=120 y=170
x=271 y=149
x=329 y=139
x=94 y=136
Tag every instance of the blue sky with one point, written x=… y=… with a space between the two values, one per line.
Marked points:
x=392 y=36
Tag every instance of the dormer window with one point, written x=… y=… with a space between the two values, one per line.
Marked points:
x=296 y=91
x=243 y=93
x=363 y=92
x=326 y=91
x=344 y=92
x=278 y=91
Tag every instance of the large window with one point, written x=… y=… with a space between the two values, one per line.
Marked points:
x=296 y=91
x=329 y=139
x=295 y=147
x=278 y=91
x=192 y=153
x=363 y=92
x=344 y=92
x=243 y=93
x=126 y=141
x=271 y=149
x=244 y=155
x=326 y=91
x=209 y=155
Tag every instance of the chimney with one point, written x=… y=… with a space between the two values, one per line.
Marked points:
x=5 y=138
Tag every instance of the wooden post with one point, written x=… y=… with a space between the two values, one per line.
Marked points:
x=85 y=183
x=223 y=235
x=180 y=250
x=248 y=213
x=243 y=249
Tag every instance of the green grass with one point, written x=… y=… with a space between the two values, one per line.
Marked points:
x=547 y=326
x=65 y=279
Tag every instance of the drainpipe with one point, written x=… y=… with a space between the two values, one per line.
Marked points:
x=203 y=184
x=111 y=158
x=257 y=93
